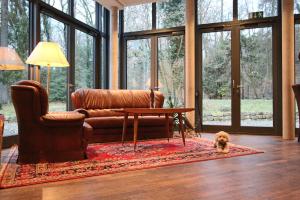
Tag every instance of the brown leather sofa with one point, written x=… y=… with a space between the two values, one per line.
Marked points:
x=43 y=136
x=98 y=105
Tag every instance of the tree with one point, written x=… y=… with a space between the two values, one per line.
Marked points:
x=14 y=33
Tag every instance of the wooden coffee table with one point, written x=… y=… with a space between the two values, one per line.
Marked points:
x=152 y=111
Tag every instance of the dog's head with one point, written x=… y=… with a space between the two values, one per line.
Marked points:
x=222 y=137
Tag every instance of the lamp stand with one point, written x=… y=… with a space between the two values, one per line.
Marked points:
x=48 y=79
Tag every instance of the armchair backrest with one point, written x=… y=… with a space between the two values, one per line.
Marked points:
x=30 y=99
x=107 y=99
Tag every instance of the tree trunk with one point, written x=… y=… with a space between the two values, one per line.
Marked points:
x=4 y=23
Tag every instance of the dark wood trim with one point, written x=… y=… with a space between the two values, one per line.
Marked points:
x=235 y=78
x=71 y=71
x=34 y=34
x=157 y=32
x=122 y=45
x=154 y=16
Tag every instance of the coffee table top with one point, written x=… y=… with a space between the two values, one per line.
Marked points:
x=154 y=110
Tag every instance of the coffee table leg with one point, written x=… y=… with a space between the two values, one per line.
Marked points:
x=124 y=126
x=181 y=127
x=135 y=129
x=167 y=126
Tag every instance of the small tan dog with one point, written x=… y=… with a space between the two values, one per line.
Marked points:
x=221 y=142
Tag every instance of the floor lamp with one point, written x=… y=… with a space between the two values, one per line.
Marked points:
x=48 y=54
x=9 y=60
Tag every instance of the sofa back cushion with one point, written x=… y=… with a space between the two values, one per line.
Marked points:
x=109 y=99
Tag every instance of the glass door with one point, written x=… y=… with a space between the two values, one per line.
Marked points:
x=237 y=79
x=216 y=78
x=256 y=77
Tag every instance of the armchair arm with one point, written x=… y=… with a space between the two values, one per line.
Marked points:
x=63 y=119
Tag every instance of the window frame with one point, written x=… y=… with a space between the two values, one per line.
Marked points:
x=153 y=35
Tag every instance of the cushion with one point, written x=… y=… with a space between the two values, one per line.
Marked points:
x=107 y=99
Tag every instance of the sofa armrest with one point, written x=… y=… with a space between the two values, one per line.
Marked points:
x=82 y=111
x=57 y=119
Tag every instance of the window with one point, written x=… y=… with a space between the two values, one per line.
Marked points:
x=170 y=13
x=62 y=5
x=138 y=64
x=14 y=33
x=55 y=31
x=84 y=61
x=297 y=6
x=268 y=7
x=85 y=11
x=157 y=58
x=214 y=11
x=138 y=18
x=171 y=69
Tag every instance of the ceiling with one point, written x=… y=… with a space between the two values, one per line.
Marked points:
x=122 y=3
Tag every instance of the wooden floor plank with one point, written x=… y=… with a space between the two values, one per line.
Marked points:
x=271 y=175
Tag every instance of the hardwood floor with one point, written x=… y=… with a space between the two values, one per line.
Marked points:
x=271 y=175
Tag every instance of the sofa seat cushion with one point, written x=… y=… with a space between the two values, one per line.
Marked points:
x=117 y=121
x=103 y=113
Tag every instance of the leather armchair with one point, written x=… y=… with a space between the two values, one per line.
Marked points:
x=44 y=136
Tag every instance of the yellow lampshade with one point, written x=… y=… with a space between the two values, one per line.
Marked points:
x=10 y=60
x=47 y=54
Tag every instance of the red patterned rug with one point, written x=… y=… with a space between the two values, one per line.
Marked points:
x=113 y=158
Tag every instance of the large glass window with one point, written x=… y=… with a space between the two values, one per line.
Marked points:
x=170 y=13
x=84 y=61
x=85 y=11
x=55 y=31
x=138 y=18
x=171 y=69
x=296 y=6
x=256 y=77
x=216 y=78
x=62 y=5
x=268 y=7
x=14 y=28
x=138 y=64
x=213 y=11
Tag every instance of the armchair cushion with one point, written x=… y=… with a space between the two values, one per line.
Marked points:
x=63 y=119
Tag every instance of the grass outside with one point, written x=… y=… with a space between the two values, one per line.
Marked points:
x=218 y=107
x=213 y=107
x=9 y=112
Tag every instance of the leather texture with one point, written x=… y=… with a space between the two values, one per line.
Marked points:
x=99 y=107
x=107 y=99
x=44 y=136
